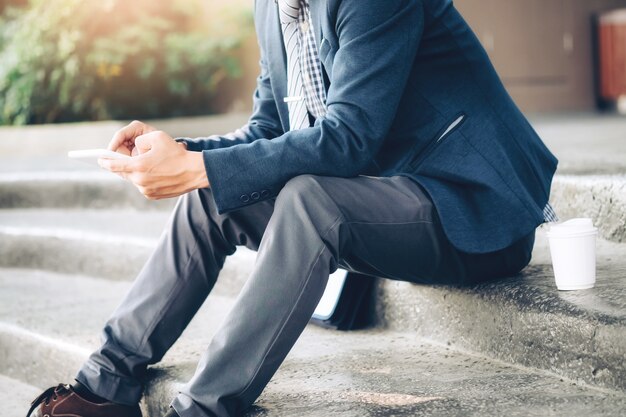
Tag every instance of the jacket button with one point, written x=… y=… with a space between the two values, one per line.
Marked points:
x=244 y=198
x=265 y=193
x=255 y=195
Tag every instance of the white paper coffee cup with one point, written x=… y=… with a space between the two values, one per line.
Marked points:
x=573 y=252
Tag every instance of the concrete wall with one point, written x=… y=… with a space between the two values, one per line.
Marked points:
x=543 y=49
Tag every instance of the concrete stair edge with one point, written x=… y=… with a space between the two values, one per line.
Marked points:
x=524 y=319
x=594 y=351
x=84 y=189
x=521 y=321
x=601 y=197
x=56 y=362
x=72 y=254
x=53 y=362
x=21 y=394
x=397 y=305
x=90 y=255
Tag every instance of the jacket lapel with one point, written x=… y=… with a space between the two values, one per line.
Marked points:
x=277 y=61
x=316 y=7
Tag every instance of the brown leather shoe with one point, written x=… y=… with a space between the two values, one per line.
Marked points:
x=63 y=401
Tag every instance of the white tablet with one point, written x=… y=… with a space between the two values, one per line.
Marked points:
x=92 y=155
x=326 y=307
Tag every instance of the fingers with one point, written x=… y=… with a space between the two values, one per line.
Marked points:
x=133 y=170
x=155 y=170
x=143 y=144
x=118 y=166
x=123 y=140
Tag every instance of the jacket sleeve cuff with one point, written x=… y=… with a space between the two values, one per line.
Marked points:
x=190 y=143
x=227 y=192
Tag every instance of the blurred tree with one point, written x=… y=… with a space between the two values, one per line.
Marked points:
x=98 y=59
x=8 y=3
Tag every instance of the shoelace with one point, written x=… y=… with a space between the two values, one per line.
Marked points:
x=47 y=395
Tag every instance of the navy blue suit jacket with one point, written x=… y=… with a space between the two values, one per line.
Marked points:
x=410 y=91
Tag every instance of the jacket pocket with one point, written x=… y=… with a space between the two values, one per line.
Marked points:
x=439 y=138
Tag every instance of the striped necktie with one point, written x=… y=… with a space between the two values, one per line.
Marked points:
x=298 y=116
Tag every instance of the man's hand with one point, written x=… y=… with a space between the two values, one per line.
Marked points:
x=160 y=167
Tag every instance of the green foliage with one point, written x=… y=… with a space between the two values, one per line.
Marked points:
x=97 y=59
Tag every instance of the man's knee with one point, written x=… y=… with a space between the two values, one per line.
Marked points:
x=306 y=199
x=301 y=190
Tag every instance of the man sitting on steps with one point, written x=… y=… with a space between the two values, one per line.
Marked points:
x=381 y=141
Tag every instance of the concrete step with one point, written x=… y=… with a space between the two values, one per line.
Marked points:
x=16 y=396
x=45 y=334
x=111 y=244
x=584 y=143
x=36 y=172
x=524 y=319
x=45 y=147
x=91 y=189
x=603 y=198
x=600 y=197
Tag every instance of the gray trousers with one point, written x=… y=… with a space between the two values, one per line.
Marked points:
x=385 y=227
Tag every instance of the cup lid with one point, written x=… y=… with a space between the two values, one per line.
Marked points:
x=573 y=227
